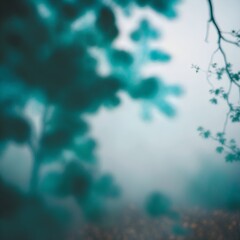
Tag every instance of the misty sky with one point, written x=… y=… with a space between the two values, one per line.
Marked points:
x=165 y=152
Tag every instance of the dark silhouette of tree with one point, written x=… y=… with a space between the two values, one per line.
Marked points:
x=227 y=146
x=47 y=55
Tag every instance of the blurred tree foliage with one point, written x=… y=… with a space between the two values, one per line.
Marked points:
x=227 y=94
x=48 y=54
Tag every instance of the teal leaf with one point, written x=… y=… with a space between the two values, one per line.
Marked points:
x=230 y=157
x=157 y=55
x=219 y=149
x=213 y=101
x=206 y=134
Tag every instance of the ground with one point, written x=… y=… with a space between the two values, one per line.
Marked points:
x=193 y=224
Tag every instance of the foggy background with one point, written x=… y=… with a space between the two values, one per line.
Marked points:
x=162 y=153
x=165 y=153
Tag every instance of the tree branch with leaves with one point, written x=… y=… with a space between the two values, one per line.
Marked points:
x=219 y=72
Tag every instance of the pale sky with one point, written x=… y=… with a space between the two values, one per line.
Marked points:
x=164 y=153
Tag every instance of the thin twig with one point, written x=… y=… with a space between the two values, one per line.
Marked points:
x=207 y=32
x=226 y=121
x=225 y=145
x=209 y=67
